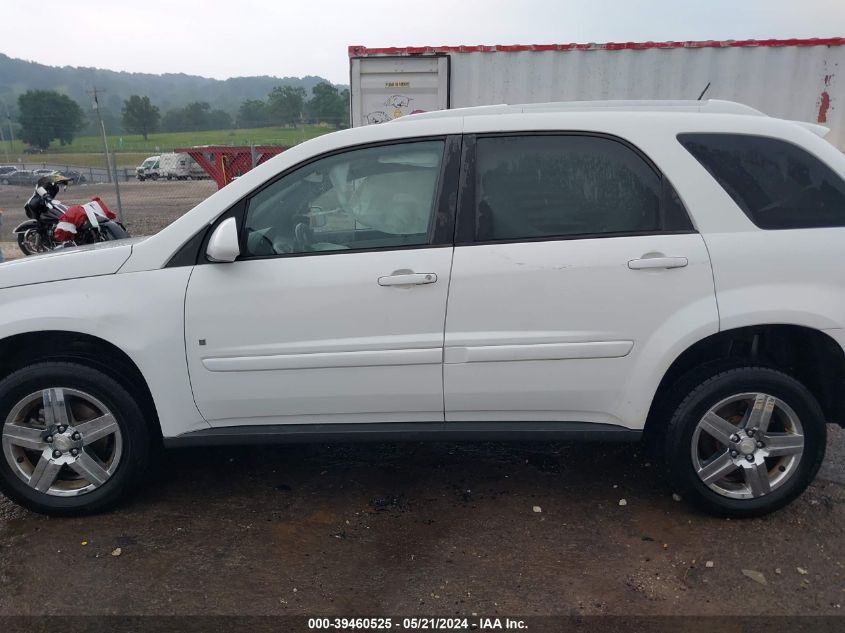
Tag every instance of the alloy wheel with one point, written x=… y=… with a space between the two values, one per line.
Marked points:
x=62 y=442
x=747 y=445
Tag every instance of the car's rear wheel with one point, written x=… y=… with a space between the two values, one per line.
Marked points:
x=745 y=442
x=74 y=441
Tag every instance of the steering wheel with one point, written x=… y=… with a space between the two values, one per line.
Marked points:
x=259 y=244
x=302 y=235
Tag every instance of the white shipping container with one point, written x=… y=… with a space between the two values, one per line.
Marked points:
x=790 y=79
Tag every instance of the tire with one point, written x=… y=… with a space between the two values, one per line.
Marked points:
x=114 y=230
x=25 y=246
x=756 y=483
x=121 y=447
x=5 y=182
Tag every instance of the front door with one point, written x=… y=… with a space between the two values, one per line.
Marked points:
x=334 y=312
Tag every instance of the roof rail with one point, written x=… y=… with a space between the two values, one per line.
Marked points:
x=707 y=105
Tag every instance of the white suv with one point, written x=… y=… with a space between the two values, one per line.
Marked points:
x=670 y=271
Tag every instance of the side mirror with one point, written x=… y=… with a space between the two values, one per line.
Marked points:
x=223 y=245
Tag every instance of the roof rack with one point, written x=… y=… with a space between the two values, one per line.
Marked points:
x=707 y=105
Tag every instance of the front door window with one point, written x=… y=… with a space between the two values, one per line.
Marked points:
x=373 y=198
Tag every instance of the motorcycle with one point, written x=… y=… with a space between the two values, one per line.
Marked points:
x=53 y=225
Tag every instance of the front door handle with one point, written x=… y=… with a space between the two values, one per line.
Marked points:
x=646 y=263
x=407 y=279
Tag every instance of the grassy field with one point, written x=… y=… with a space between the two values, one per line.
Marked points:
x=167 y=141
x=76 y=159
x=132 y=149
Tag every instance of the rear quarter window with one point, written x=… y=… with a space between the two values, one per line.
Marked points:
x=778 y=185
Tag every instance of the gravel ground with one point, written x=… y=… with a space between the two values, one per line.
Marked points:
x=432 y=528
x=413 y=528
x=147 y=206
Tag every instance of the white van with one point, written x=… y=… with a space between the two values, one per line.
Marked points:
x=148 y=169
x=180 y=166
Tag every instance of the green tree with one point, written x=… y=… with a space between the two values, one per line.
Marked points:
x=173 y=120
x=345 y=97
x=45 y=115
x=253 y=113
x=285 y=105
x=140 y=116
x=196 y=117
x=327 y=105
x=111 y=120
x=192 y=118
x=218 y=120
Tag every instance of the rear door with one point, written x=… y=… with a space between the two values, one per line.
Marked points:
x=575 y=259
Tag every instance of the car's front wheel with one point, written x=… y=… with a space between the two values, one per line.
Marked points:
x=745 y=442
x=74 y=441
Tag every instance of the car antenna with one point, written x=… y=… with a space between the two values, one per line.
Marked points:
x=703 y=91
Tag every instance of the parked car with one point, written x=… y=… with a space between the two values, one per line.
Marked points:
x=7 y=169
x=20 y=177
x=666 y=272
x=74 y=177
x=33 y=150
x=148 y=170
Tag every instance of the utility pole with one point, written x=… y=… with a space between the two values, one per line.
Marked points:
x=95 y=94
x=110 y=161
x=11 y=130
x=3 y=138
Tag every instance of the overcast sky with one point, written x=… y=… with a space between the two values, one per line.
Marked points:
x=219 y=38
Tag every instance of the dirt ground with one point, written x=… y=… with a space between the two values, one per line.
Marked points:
x=383 y=529
x=435 y=528
x=147 y=206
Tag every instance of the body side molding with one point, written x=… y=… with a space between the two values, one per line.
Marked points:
x=405 y=431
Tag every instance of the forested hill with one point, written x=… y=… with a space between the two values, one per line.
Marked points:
x=167 y=91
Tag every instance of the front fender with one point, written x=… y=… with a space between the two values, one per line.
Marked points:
x=23 y=227
x=117 y=309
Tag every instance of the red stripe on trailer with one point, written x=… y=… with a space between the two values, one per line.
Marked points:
x=363 y=51
x=223 y=163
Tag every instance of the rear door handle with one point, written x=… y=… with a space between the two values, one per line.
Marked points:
x=646 y=263
x=407 y=279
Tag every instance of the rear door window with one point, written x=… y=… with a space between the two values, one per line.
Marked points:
x=564 y=186
x=778 y=185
